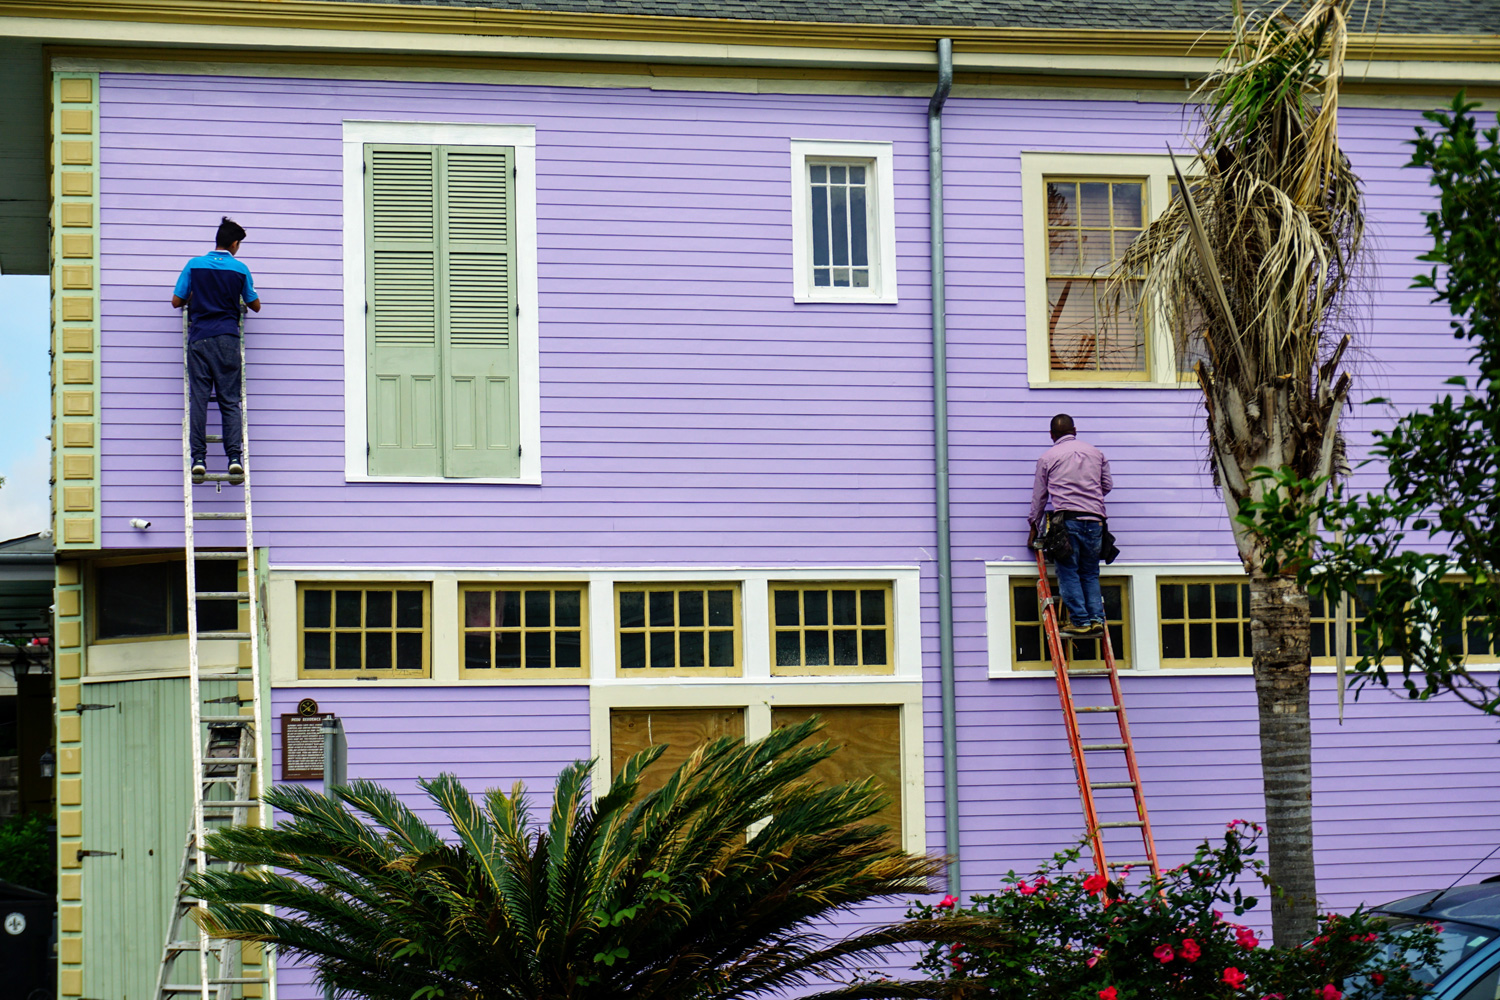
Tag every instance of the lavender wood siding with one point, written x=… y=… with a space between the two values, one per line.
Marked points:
x=692 y=414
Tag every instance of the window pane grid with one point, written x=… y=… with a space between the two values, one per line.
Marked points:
x=1029 y=644
x=1205 y=622
x=1477 y=641
x=683 y=629
x=524 y=631
x=372 y=631
x=831 y=628
x=839 y=215
x=1090 y=223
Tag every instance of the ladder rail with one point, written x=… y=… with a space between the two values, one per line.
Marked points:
x=1076 y=746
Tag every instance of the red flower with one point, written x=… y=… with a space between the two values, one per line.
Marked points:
x=1094 y=884
x=1108 y=993
x=1328 y=992
x=1234 y=977
x=1245 y=937
x=1190 y=950
x=1164 y=953
x=948 y=902
x=1321 y=939
x=1378 y=978
x=1025 y=889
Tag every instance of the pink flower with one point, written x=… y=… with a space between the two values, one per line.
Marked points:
x=1040 y=882
x=1328 y=992
x=1025 y=890
x=1218 y=917
x=1094 y=884
x=1164 y=953
x=1233 y=823
x=1234 y=977
x=1245 y=937
x=1094 y=958
x=1108 y=993
x=948 y=902
x=1190 y=950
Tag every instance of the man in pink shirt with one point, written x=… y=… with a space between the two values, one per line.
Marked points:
x=1074 y=475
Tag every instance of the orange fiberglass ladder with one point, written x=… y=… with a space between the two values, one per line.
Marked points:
x=1081 y=750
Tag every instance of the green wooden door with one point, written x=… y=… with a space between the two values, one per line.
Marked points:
x=442 y=311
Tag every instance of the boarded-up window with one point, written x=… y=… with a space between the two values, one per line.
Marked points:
x=371 y=630
x=1030 y=644
x=683 y=730
x=510 y=630
x=441 y=311
x=869 y=742
x=831 y=628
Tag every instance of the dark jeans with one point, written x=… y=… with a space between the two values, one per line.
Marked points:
x=1078 y=579
x=214 y=362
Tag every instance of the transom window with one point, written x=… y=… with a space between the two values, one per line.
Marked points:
x=1090 y=223
x=831 y=628
x=678 y=628
x=1205 y=623
x=1030 y=644
x=516 y=631
x=373 y=631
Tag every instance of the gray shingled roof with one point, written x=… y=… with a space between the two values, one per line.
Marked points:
x=1399 y=16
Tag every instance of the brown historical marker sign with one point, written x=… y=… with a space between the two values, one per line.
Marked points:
x=302 y=743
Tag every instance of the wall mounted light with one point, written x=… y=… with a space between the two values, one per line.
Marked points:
x=47 y=764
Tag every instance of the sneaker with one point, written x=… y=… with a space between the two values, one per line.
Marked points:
x=199 y=471
x=236 y=472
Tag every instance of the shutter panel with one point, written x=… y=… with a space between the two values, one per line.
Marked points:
x=479 y=356
x=403 y=310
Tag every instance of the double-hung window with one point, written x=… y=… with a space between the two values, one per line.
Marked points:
x=843 y=222
x=440 y=327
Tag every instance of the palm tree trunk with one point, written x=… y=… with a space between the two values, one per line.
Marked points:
x=1279 y=636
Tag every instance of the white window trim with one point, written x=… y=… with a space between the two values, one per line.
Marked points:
x=882 y=235
x=356 y=419
x=1157 y=169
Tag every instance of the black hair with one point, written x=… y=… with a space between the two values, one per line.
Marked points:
x=1062 y=425
x=230 y=232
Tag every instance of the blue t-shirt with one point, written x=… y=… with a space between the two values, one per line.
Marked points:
x=213 y=286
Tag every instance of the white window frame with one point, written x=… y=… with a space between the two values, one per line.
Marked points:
x=881 y=204
x=356 y=418
x=1157 y=170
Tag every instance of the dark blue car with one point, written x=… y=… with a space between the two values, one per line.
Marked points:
x=1469 y=918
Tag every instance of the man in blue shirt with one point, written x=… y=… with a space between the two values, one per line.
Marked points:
x=212 y=287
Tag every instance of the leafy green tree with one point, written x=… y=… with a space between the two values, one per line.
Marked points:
x=718 y=884
x=1401 y=551
x=26 y=852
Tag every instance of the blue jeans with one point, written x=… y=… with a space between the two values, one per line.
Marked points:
x=214 y=362
x=1078 y=579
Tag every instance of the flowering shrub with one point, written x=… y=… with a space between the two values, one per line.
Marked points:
x=1067 y=936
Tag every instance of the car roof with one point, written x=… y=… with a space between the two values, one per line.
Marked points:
x=1472 y=904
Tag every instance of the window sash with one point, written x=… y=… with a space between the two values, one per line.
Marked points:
x=146 y=599
x=538 y=648
x=352 y=635
x=839 y=639
x=841 y=224
x=1209 y=621
x=1029 y=643
x=666 y=631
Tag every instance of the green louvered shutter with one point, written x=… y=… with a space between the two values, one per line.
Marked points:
x=403 y=310
x=480 y=405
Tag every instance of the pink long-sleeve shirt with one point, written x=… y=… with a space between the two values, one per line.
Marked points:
x=1074 y=474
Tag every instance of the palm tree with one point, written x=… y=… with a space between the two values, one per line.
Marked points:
x=662 y=895
x=1253 y=269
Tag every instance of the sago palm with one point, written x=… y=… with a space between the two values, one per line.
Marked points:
x=1254 y=268
x=718 y=884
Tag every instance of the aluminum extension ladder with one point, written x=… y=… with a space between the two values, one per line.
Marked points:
x=1081 y=751
x=227 y=758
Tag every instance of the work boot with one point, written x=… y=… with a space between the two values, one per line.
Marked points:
x=1076 y=631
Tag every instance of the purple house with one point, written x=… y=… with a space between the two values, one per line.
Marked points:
x=594 y=403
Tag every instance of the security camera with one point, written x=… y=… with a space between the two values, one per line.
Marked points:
x=140 y=523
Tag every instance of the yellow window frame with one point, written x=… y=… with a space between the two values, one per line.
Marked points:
x=1087 y=653
x=781 y=633
x=624 y=635
x=363 y=588
x=1213 y=629
x=524 y=631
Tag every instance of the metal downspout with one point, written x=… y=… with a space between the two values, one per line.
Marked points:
x=940 y=443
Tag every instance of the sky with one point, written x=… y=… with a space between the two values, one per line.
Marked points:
x=24 y=388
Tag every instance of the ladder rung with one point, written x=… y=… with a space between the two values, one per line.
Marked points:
x=1126 y=864
x=1089 y=672
x=240 y=636
x=219 y=805
x=235 y=980
x=217 y=556
x=211 y=761
x=218 y=477
x=1121 y=825
x=1096 y=785
x=223 y=595
x=214 y=438
x=228 y=720
x=217 y=516
x=1097 y=708
x=1102 y=746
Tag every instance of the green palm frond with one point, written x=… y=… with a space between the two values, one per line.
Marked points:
x=720 y=883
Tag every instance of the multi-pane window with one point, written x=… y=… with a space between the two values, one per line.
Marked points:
x=1090 y=223
x=1204 y=623
x=840 y=220
x=141 y=600
x=680 y=628
x=1476 y=641
x=372 y=630
x=831 y=628
x=1030 y=644
x=524 y=631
